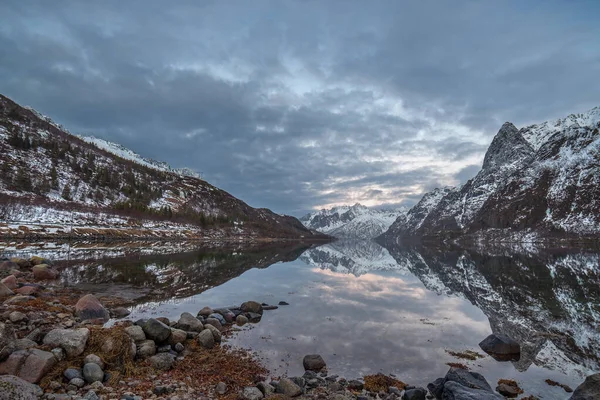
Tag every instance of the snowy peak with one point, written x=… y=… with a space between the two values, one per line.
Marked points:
x=357 y=221
x=507 y=147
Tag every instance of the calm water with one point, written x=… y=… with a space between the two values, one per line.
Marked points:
x=369 y=309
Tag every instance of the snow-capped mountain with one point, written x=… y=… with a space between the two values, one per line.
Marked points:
x=542 y=179
x=352 y=222
x=54 y=183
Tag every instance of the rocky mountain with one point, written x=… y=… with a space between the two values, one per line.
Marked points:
x=541 y=180
x=352 y=222
x=53 y=183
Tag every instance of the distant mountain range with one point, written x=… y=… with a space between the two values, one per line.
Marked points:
x=352 y=222
x=55 y=184
x=536 y=182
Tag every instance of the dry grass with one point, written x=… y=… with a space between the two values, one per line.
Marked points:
x=510 y=382
x=562 y=385
x=458 y=365
x=466 y=355
x=381 y=383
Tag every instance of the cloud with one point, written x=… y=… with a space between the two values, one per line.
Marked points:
x=295 y=106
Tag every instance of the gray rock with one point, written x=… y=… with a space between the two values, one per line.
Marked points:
x=227 y=314
x=146 y=348
x=500 y=344
x=415 y=394
x=91 y=395
x=241 y=320
x=206 y=339
x=215 y=332
x=78 y=382
x=156 y=330
x=253 y=317
x=72 y=341
x=179 y=347
x=589 y=389
x=162 y=361
x=72 y=373
x=136 y=333
x=219 y=317
x=252 y=306
x=92 y=358
x=120 y=312
x=7 y=335
x=14 y=388
x=355 y=385
x=252 y=393
x=436 y=388
x=467 y=378
x=313 y=362
x=287 y=387
x=92 y=373
x=30 y=365
x=177 y=336
x=205 y=312
x=5 y=291
x=284 y=303
x=456 y=391
x=59 y=353
x=17 y=317
x=214 y=322
x=221 y=388
x=16 y=345
x=265 y=388
x=187 y=322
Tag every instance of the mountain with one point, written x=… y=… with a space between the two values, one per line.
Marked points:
x=55 y=184
x=352 y=222
x=538 y=181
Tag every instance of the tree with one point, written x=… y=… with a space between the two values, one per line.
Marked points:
x=53 y=178
x=66 y=193
x=23 y=180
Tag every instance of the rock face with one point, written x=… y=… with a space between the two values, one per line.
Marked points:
x=30 y=365
x=540 y=178
x=89 y=308
x=156 y=330
x=588 y=390
x=72 y=341
x=15 y=388
x=500 y=345
x=313 y=362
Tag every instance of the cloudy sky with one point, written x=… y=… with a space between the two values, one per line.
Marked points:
x=296 y=105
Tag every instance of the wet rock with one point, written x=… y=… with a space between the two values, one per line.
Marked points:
x=313 y=362
x=221 y=388
x=30 y=365
x=146 y=348
x=156 y=330
x=44 y=272
x=187 y=322
x=215 y=332
x=456 y=391
x=92 y=373
x=72 y=373
x=5 y=291
x=16 y=317
x=252 y=307
x=252 y=393
x=10 y=282
x=219 y=317
x=15 y=388
x=468 y=378
x=120 y=312
x=265 y=388
x=136 y=333
x=284 y=303
x=214 y=322
x=72 y=341
x=270 y=308
x=415 y=394
x=589 y=389
x=205 y=312
x=162 y=361
x=206 y=339
x=92 y=358
x=253 y=317
x=89 y=308
x=177 y=336
x=500 y=344
x=241 y=320
x=287 y=387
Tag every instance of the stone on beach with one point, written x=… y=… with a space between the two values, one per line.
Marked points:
x=89 y=308
x=146 y=348
x=313 y=362
x=92 y=373
x=72 y=341
x=214 y=322
x=156 y=330
x=205 y=312
x=5 y=291
x=10 y=282
x=177 y=336
x=252 y=306
x=136 y=333
x=30 y=365
x=162 y=361
x=206 y=339
x=43 y=272
x=287 y=387
x=15 y=388
x=215 y=332
x=241 y=320
x=500 y=344
x=252 y=393
x=589 y=389
x=187 y=322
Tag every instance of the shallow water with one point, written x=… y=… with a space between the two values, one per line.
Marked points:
x=367 y=309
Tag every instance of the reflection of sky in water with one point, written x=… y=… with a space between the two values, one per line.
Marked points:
x=378 y=322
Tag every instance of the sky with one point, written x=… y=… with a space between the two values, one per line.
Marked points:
x=301 y=105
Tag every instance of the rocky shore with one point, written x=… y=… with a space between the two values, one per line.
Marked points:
x=53 y=345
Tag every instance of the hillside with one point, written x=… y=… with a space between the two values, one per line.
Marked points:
x=53 y=183
x=538 y=181
x=352 y=222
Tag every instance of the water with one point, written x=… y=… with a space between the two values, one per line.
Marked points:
x=368 y=309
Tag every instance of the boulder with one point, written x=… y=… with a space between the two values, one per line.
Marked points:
x=30 y=365
x=205 y=312
x=589 y=389
x=136 y=333
x=313 y=362
x=241 y=320
x=94 y=359
x=287 y=387
x=10 y=282
x=36 y=260
x=253 y=317
x=5 y=291
x=156 y=330
x=266 y=388
x=15 y=388
x=146 y=348
x=92 y=373
x=227 y=314
x=206 y=339
x=16 y=345
x=162 y=361
x=8 y=266
x=355 y=385
x=456 y=391
x=252 y=306
x=72 y=373
x=252 y=393
x=214 y=322
x=21 y=262
x=119 y=312
x=89 y=308
x=218 y=317
x=468 y=378
x=7 y=334
x=500 y=344
x=177 y=336
x=16 y=317
x=44 y=272
x=72 y=341
x=415 y=394
x=215 y=332
x=187 y=322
